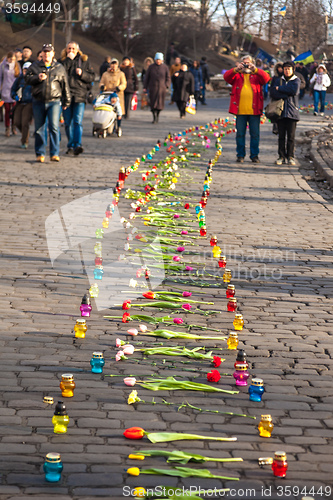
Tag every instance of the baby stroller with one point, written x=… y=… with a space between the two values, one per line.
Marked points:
x=104 y=116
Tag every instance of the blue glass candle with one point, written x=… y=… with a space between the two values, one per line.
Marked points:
x=53 y=467
x=97 y=362
x=98 y=272
x=256 y=390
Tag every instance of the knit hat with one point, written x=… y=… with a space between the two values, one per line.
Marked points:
x=26 y=65
x=289 y=64
x=114 y=60
x=113 y=95
x=159 y=55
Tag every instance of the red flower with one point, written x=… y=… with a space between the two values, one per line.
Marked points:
x=213 y=376
x=126 y=317
x=187 y=206
x=149 y=295
x=217 y=361
x=126 y=305
x=134 y=433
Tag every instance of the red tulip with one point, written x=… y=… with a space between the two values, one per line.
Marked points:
x=149 y=295
x=213 y=376
x=126 y=317
x=187 y=307
x=134 y=433
x=187 y=294
x=126 y=305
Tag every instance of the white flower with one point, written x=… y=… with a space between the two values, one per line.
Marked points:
x=133 y=283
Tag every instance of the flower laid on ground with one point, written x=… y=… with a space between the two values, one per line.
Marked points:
x=126 y=317
x=168 y=334
x=179 y=472
x=176 y=258
x=126 y=305
x=164 y=437
x=217 y=361
x=133 y=398
x=178 y=321
x=180 y=249
x=187 y=307
x=132 y=331
x=119 y=342
x=189 y=268
x=128 y=349
x=143 y=328
x=130 y=381
x=135 y=456
x=184 y=232
x=120 y=356
x=177 y=351
x=133 y=471
x=213 y=376
x=182 y=457
x=187 y=294
x=171 y=384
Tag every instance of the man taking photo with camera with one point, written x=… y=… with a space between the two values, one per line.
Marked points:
x=247 y=103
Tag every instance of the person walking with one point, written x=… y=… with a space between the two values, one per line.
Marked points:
x=205 y=78
x=183 y=87
x=9 y=71
x=26 y=55
x=21 y=93
x=50 y=89
x=114 y=80
x=104 y=66
x=132 y=83
x=320 y=81
x=80 y=77
x=247 y=102
x=157 y=81
x=198 y=83
x=287 y=88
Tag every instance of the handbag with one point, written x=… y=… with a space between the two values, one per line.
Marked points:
x=274 y=108
x=134 y=102
x=191 y=106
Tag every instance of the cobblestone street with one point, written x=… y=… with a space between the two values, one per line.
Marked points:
x=275 y=230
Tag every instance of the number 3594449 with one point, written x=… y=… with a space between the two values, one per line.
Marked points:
x=25 y=8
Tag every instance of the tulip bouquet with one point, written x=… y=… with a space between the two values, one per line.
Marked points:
x=179 y=472
x=171 y=384
x=165 y=304
x=163 y=437
x=181 y=457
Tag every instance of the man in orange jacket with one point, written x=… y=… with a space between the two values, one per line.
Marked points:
x=247 y=103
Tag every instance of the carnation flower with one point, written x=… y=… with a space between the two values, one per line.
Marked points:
x=217 y=361
x=213 y=376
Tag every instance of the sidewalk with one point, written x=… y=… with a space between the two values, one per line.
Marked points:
x=276 y=233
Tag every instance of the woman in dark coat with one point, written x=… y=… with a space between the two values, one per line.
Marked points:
x=157 y=80
x=287 y=88
x=183 y=85
x=132 y=83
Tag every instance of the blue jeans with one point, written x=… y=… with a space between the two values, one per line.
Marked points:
x=73 y=117
x=254 y=125
x=46 y=111
x=319 y=95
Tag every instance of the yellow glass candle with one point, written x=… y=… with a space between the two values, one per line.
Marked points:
x=232 y=340
x=227 y=276
x=80 y=328
x=265 y=426
x=67 y=385
x=238 y=322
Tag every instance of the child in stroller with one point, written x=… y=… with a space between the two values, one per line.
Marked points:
x=107 y=115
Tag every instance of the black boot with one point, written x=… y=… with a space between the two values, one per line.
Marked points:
x=157 y=115
x=154 y=116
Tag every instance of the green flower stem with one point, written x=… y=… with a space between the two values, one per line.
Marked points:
x=188 y=405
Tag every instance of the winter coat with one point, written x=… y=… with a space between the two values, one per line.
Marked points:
x=8 y=73
x=54 y=88
x=205 y=72
x=257 y=80
x=115 y=82
x=131 y=78
x=157 y=80
x=289 y=91
x=198 y=83
x=174 y=68
x=183 y=86
x=320 y=81
x=104 y=67
x=79 y=84
x=26 y=90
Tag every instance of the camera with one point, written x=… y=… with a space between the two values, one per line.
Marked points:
x=245 y=65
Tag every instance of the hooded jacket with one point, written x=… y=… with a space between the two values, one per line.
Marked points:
x=320 y=81
x=54 y=88
x=257 y=80
x=26 y=90
x=79 y=84
x=288 y=90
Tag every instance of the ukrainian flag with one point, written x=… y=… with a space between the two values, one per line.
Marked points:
x=305 y=58
x=283 y=11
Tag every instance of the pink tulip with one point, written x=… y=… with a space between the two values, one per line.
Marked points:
x=188 y=268
x=176 y=216
x=180 y=249
x=132 y=331
x=119 y=342
x=184 y=232
x=128 y=349
x=130 y=381
x=178 y=321
x=120 y=356
x=187 y=294
x=188 y=307
x=143 y=328
x=176 y=258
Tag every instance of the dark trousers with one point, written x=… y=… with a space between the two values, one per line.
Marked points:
x=22 y=119
x=181 y=106
x=287 y=130
x=128 y=100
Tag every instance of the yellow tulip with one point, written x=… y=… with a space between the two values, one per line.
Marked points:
x=144 y=240
x=133 y=471
x=139 y=492
x=133 y=398
x=174 y=179
x=137 y=250
x=136 y=457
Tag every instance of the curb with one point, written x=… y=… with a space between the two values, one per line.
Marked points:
x=322 y=167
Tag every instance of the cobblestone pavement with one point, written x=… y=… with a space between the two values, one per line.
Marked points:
x=276 y=232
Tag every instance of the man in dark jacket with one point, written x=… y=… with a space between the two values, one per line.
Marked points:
x=205 y=78
x=50 y=89
x=183 y=87
x=105 y=65
x=80 y=77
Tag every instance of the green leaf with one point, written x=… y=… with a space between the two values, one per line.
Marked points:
x=186 y=472
x=171 y=384
x=169 y=334
x=184 y=457
x=163 y=437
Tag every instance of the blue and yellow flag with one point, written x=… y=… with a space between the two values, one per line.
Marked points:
x=305 y=58
x=283 y=11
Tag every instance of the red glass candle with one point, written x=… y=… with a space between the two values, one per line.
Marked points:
x=232 y=304
x=122 y=174
x=213 y=241
x=222 y=261
x=98 y=261
x=230 y=291
x=203 y=231
x=280 y=465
